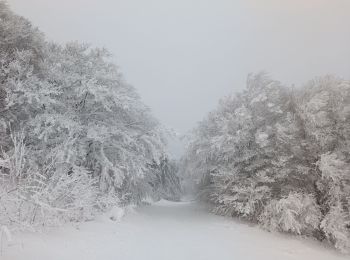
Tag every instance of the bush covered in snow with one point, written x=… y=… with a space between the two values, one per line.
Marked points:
x=279 y=157
x=75 y=138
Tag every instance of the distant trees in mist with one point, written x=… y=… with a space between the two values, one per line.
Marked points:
x=75 y=138
x=279 y=157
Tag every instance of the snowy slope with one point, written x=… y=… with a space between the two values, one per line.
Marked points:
x=166 y=231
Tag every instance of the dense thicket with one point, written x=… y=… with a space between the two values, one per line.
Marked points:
x=75 y=137
x=279 y=157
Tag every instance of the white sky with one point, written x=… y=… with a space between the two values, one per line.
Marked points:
x=183 y=55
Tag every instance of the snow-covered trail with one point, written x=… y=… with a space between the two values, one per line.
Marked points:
x=166 y=231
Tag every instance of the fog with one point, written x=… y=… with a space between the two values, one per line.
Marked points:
x=184 y=55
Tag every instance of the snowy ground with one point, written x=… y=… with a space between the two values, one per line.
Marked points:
x=165 y=231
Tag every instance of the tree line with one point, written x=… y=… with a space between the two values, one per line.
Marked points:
x=279 y=157
x=75 y=138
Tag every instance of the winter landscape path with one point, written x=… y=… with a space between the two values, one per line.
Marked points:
x=165 y=231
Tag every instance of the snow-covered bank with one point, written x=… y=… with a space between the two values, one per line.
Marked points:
x=165 y=231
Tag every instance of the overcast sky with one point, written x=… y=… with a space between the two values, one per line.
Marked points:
x=183 y=55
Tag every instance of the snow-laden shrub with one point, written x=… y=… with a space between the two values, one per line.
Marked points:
x=242 y=199
x=31 y=198
x=38 y=202
x=335 y=226
x=335 y=172
x=297 y=213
